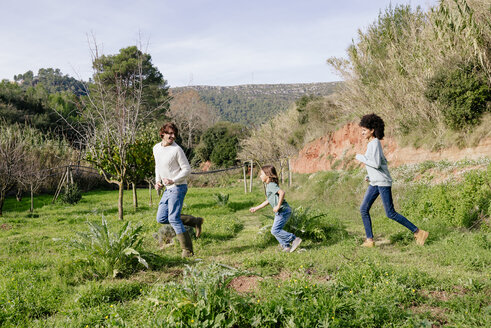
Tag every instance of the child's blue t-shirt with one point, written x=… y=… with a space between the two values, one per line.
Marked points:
x=273 y=197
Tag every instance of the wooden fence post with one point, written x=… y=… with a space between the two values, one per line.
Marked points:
x=252 y=171
x=150 y=193
x=281 y=171
x=245 y=178
x=289 y=174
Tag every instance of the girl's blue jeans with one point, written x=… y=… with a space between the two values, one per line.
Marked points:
x=280 y=219
x=386 y=194
x=170 y=207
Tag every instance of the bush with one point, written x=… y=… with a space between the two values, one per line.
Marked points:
x=457 y=205
x=203 y=298
x=308 y=224
x=71 y=195
x=463 y=94
x=115 y=252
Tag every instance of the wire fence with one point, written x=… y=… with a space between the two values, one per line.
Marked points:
x=66 y=173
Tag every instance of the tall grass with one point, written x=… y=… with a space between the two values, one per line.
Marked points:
x=394 y=59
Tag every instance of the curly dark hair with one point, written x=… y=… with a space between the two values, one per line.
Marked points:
x=375 y=122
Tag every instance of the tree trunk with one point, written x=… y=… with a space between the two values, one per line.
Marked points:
x=18 y=195
x=135 y=198
x=120 y=200
x=2 y=198
x=32 y=200
x=150 y=193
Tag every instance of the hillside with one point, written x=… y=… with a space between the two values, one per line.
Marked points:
x=256 y=103
x=337 y=151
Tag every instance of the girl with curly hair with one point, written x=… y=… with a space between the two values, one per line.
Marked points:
x=372 y=127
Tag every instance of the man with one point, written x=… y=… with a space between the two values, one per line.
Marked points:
x=171 y=170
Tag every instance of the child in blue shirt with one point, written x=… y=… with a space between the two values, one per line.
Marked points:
x=276 y=198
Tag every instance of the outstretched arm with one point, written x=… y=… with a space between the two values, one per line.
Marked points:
x=258 y=207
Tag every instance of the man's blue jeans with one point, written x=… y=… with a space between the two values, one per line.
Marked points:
x=280 y=219
x=386 y=194
x=170 y=207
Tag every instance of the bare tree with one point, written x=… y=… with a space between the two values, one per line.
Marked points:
x=270 y=143
x=191 y=115
x=11 y=156
x=127 y=90
x=41 y=155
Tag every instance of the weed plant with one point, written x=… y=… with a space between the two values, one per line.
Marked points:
x=201 y=300
x=114 y=251
x=71 y=194
x=221 y=199
x=306 y=223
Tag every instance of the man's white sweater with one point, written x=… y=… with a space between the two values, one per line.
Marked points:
x=170 y=163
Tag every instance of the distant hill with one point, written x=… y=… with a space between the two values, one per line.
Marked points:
x=253 y=104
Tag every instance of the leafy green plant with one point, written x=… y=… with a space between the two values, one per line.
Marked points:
x=202 y=298
x=459 y=205
x=221 y=199
x=115 y=251
x=71 y=195
x=307 y=223
x=462 y=93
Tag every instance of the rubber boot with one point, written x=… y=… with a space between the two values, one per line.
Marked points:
x=194 y=222
x=186 y=244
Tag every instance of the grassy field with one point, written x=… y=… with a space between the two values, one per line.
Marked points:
x=239 y=277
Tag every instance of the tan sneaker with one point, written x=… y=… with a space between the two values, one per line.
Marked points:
x=421 y=236
x=295 y=244
x=368 y=243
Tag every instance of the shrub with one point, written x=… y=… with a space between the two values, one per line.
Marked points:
x=71 y=194
x=458 y=205
x=308 y=224
x=202 y=297
x=463 y=94
x=114 y=251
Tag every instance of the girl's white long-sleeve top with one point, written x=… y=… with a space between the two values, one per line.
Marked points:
x=171 y=163
x=376 y=164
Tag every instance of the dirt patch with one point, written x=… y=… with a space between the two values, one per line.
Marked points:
x=283 y=275
x=5 y=227
x=437 y=314
x=245 y=284
x=339 y=147
x=444 y=296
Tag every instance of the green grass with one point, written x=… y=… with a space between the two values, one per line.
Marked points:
x=329 y=282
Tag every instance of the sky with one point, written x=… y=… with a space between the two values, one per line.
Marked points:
x=192 y=42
